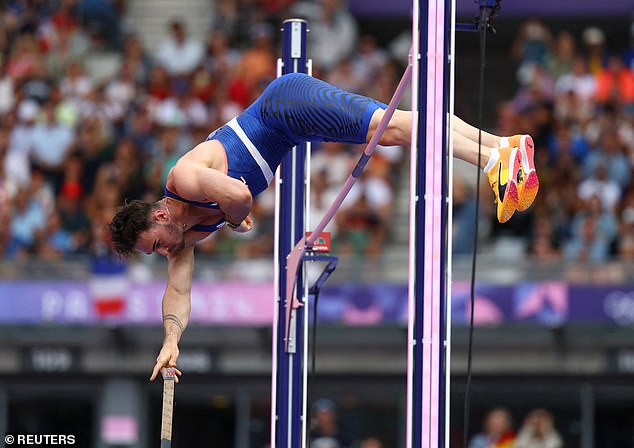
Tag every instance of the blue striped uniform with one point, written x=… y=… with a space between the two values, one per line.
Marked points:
x=293 y=108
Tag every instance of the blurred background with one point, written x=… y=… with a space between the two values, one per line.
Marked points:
x=99 y=98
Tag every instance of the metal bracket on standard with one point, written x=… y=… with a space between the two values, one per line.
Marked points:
x=331 y=264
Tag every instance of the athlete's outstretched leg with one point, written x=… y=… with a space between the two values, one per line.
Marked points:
x=399 y=131
x=507 y=161
x=472 y=133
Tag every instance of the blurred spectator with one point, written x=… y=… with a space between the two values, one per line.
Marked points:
x=24 y=57
x=562 y=58
x=225 y=18
x=577 y=82
x=325 y=431
x=71 y=186
x=531 y=48
x=334 y=159
x=121 y=91
x=538 y=88
x=609 y=155
x=594 y=42
x=236 y=18
x=42 y=192
x=7 y=187
x=38 y=85
x=53 y=240
x=385 y=83
x=139 y=128
x=362 y=219
x=27 y=217
x=76 y=84
x=158 y=84
x=599 y=185
x=220 y=59
x=124 y=173
x=101 y=18
x=74 y=221
x=568 y=142
x=256 y=67
x=321 y=197
x=371 y=442
x=369 y=59
x=7 y=90
x=178 y=53
x=538 y=431
x=333 y=31
x=94 y=147
x=593 y=232
x=615 y=82
x=171 y=142
x=543 y=244
x=17 y=160
x=625 y=240
x=498 y=431
x=51 y=142
x=346 y=77
x=463 y=217
x=203 y=85
x=65 y=41
x=137 y=60
x=574 y=95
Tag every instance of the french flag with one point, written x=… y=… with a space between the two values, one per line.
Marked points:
x=109 y=284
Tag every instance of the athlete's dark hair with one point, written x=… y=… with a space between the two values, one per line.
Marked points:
x=130 y=220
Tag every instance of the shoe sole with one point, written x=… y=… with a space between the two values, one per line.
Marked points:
x=510 y=201
x=509 y=204
x=530 y=186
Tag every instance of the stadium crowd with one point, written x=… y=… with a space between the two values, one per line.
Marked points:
x=576 y=98
x=75 y=142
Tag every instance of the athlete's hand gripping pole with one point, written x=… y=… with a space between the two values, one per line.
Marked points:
x=293 y=259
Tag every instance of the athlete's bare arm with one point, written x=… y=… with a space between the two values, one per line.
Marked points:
x=196 y=179
x=176 y=306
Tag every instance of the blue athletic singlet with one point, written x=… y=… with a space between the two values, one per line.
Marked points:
x=206 y=228
x=293 y=108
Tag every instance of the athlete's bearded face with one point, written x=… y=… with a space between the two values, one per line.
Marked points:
x=164 y=237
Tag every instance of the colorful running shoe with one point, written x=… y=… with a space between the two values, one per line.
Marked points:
x=503 y=178
x=529 y=185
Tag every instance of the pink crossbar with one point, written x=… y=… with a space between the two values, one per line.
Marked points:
x=294 y=257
